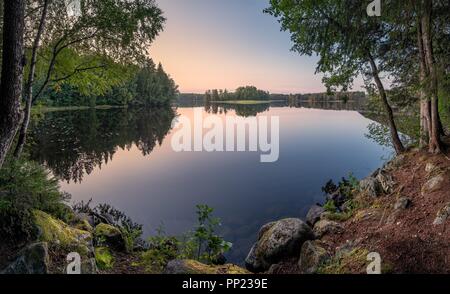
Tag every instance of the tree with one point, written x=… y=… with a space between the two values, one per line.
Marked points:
x=435 y=145
x=154 y=87
x=29 y=84
x=348 y=42
x=12 y=71
x=120 y=30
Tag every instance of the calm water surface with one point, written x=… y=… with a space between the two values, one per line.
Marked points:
x=124 y=158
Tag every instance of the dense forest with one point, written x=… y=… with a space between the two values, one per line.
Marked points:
x=74 y=56
x=58 y=53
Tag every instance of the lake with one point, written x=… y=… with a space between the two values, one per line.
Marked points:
x=125 y=158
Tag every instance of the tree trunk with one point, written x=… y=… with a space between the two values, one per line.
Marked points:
x=435 y=145
x=398 y=145
x=29 y=85
x=12 y=74
x=425 y=106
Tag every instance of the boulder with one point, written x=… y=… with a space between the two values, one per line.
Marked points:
x=325 y=227
x=402 y=203
x=371 y=186
x=193 y=267
x=386 y=181
x=312 y=256
x=34 y=260
x=434 y=184
x=314 y=214
x=442 y=215
x=82 y=217
x=59 y=234
x=109 y=236
x=283 y=239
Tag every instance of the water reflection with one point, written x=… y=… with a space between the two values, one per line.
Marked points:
x=124 y=158
x=73 y=143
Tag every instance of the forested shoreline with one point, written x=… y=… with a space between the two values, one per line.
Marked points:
x=96 y=53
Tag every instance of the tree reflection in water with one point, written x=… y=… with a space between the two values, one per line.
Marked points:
x=72 y=143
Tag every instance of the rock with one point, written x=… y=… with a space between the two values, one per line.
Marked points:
x=369 y=214
x=32 y=260
x=193 y=267
x=442 y=215
x=314 y=214
x=104 y=258
x=402 y=203
x=312 y=256
x=59 y=234
x=324 y=227
x=434 y=184
x=109 y=236
x=84 y=218
x=371 y=186
x=386 y=181
x=89 y=266
x=282 y=240
x=84 y=225
x=252 y=263
x=265 y=228
x=396 y=162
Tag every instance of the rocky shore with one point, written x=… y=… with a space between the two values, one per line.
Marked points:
x=400 y=212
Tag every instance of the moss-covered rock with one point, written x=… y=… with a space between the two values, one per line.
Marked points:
x=57 y=233
x=193 y=267
x=104 y=258
x=109 y=236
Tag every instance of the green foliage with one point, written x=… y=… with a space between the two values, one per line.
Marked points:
x=161 y=250
x=329 y=206
x=154 y=87
x=343 y=205
x=130 y=230
x=203 y=244
x=104 y=258
x=241 y=94
x=25 y=186
x=111 y=84
x=209 y=244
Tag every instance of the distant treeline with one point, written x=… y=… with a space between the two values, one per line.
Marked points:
x=252 y=93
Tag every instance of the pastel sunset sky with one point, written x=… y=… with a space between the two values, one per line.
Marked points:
x=210 y=44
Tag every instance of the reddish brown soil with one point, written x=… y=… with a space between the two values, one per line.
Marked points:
x=410 y=243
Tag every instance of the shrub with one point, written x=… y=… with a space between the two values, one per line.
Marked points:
x=25 y=186
x=131 y=231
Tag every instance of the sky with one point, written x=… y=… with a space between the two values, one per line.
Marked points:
x=224 y=44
